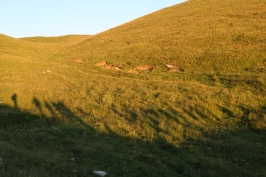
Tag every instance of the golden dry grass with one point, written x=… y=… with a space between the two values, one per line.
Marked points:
x=209 y=120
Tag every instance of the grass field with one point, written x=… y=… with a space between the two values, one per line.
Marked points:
x=208 y=120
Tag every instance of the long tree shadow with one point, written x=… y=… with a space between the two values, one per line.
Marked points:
x=73 y=147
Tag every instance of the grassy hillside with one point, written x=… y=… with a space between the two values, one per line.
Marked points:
x=36 y=47
x=210 y=120
x=65 y=41
x=207 y=35
x=16 y=48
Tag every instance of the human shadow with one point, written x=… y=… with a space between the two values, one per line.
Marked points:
x=69 y=143
x=14 y=99
x=14 y=115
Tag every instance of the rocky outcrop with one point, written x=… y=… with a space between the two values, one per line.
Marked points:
x=174 y=69
x=171 y=66
x=136 y=70
x=145 y=68
x=107 y=65
x=103 y=63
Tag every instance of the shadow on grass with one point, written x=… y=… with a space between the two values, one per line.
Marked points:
x=36 y=145
x=13 y=115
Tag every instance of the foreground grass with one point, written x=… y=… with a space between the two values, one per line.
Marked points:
x=133 y=125
x=44 y=147
x=36 y=145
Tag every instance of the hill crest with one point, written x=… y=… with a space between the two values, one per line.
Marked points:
x=198 y=35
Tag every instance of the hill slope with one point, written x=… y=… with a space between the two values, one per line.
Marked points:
x=15 y=47
x=197 y=35
x=64 y=116
x=62 y=40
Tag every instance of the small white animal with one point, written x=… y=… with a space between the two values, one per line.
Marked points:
x=100 y=173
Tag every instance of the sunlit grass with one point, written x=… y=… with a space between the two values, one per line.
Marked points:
x=190 y=35
x=208 y=120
